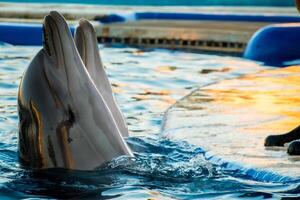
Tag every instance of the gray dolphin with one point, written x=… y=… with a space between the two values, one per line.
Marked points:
x=86 y=42
x=64 y=120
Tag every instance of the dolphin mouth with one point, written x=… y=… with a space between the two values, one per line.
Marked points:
x=80 y=41
x=84 y=40
x=46 y=30
x=49 y=26
x=60 y=49
x=52 y=42
x=56 y=33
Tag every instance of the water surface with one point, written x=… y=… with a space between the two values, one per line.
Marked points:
x=239 y=114
x=146 y=83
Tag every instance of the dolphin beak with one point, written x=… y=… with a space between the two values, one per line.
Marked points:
x=80 y=41
x=46 y=34
x=86 y=42
x=57 y=37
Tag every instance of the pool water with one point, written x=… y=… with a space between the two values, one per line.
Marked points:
x=146 y=83
x=239 y=114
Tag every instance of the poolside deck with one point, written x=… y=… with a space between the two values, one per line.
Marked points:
x=204 y=35
x=218 y=36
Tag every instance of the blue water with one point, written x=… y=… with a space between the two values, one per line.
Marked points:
x=170 y=2
x=161 y=169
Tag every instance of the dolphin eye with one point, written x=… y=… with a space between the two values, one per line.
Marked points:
x=71 y=116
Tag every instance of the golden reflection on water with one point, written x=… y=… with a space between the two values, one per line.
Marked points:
x=271 y=94
x=207 y=71
x=160 y=99
x=138 y=52
x=233 y=117
x=165 y=69
x=156 y=92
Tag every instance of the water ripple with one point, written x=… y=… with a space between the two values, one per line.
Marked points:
x=162 y=168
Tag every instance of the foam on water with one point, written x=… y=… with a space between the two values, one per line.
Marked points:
x=146 y=83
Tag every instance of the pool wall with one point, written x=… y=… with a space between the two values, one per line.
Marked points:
x=171 y=2
x=210 y=32
x=113 y=18
x=206 y=31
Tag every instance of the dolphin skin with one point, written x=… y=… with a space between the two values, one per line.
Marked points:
x=86 y=42
x=64 y=119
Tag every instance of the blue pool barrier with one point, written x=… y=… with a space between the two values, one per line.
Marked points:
x=197 y=16
x=22 y=34
x=275 y=45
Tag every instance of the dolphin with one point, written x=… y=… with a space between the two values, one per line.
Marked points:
x=64 y=121
x=86 y=42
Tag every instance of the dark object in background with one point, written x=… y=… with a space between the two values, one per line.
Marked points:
x=294 y=148
x=279 y=140
x=297 y=2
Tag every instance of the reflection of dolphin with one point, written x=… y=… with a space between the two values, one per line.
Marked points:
x=64 y=120
x=85 y=39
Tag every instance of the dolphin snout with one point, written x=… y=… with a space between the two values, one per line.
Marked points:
x=84 y=31
x=83 y=23
x=47 y=34
x=57 y=18
x=58 y=41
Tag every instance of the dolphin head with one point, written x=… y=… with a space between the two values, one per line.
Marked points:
x=64 y=119
x=87 y=46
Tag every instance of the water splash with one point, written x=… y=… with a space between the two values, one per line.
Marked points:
x=161 y=168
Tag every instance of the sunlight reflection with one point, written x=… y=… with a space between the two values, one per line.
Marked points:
x=265 y=95
x=233 y=117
